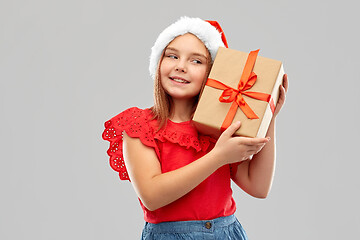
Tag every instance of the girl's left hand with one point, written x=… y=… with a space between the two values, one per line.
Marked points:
x=283 y=90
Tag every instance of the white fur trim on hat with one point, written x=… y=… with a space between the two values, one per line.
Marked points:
x=203 y=30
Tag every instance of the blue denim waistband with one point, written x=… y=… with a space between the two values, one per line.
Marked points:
x=190 y=226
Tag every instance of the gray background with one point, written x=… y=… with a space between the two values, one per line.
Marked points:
x=68 y=66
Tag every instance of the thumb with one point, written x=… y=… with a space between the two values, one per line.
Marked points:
x=231 y=129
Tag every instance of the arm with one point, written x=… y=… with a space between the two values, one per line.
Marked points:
x=255 y=176
x=157 y=189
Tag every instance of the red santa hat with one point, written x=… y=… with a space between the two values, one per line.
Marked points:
x=209 y=32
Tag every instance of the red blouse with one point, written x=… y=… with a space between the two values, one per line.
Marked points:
x=176 y=145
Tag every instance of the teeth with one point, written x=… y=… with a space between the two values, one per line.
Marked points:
x=179 y=80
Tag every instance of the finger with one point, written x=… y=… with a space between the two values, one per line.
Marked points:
x=259 y=147
x=285 y=82
x=281 y=100
x=249 y=153
x=231 y=129
x=254 y=149
x=252 y=152
x=282 y=94
x=253 y=141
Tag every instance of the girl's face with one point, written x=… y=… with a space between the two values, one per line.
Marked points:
x=184 y=67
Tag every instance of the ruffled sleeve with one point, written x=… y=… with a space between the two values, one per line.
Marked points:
x=187 y=140
x=135 y=122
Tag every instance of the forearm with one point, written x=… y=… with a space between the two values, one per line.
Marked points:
x=165 y=188
x=262 y=166
x=255 y=176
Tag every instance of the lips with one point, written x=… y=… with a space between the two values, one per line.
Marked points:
x=179 y=80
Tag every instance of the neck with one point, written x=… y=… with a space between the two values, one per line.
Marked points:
x=182 y=110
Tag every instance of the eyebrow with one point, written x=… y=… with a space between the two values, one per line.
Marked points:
x=194 y=53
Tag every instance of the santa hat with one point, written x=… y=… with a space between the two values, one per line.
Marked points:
x=209 y=32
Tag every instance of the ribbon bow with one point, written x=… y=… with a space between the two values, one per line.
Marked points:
x=229 y=94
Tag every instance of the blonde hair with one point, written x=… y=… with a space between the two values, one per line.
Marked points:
x=163 y=103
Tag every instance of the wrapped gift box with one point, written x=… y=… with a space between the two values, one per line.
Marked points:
x=227 y=70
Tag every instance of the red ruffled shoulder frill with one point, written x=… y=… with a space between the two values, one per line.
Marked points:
x=139 y=123
x=185 y=135
x=135 y=122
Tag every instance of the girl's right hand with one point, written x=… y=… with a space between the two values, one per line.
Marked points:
x=232 y=149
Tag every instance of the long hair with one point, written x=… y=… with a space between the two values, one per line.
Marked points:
x=163 y=103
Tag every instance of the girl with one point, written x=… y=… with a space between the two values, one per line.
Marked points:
x=182 y=178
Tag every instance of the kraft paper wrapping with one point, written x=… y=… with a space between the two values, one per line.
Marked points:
x=227 y=68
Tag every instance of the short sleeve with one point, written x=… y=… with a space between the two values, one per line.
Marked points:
x=135 y=122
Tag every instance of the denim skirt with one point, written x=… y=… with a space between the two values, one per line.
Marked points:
x=220 y=229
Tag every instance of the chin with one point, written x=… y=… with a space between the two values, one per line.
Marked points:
x=183 y=97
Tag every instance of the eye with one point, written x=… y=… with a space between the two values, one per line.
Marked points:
x=196 y=61
x=172 y=56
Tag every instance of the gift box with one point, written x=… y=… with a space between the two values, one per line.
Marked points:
x=240 y=87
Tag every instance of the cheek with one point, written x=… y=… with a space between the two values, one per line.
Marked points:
x=201 y=74
x=165 y=66
x=161 y=69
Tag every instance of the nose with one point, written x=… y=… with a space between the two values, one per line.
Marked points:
x=180 y=66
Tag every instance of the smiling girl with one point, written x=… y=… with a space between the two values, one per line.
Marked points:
x=182 y=178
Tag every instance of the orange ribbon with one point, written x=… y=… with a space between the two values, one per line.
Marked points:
x=247 y=80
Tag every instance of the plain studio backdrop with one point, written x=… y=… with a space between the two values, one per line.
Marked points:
x=66 y=67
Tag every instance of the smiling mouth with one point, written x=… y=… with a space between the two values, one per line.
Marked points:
x=179 y=80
